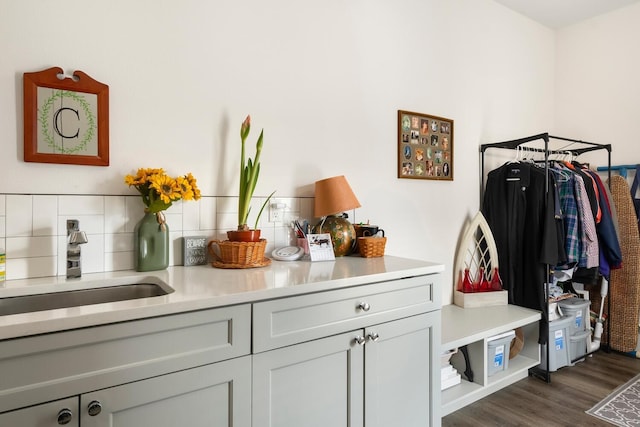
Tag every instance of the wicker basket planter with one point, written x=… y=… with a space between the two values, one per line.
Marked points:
x=228 y=254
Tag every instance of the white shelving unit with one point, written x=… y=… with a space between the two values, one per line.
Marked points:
x=472 y=327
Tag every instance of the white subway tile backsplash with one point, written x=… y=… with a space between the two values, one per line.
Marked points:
x=207 y=206
x=29 y=247
x=190 y=216
x=306 y=208
x=19 y=215
x=120 y=242
x=175 y=248
x=134 y=211
x=227 y=221
x=93 y=254
x=118 y=261
x=90 y=224
x=80 y=205
x=227 y=204
x=45 y=215
x=26 y=268
x=115 y=214
x=174 y=221
x=33 y=229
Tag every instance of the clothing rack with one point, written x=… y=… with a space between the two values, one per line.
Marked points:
x=574 y=151
x=515 y=143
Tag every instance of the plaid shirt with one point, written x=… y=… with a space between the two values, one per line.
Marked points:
x=565 y=184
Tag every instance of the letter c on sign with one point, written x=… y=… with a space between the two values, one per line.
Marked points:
x=57 y=119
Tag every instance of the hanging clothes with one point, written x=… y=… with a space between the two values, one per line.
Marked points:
x=521 y=215
x=589 y=253
x=606 y=229
x=569 y=210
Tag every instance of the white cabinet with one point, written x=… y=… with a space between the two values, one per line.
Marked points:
x=317 y=383
x=212 y=395
x=398 y=379
x=57 y=413
x=313 y=368
x=472 y=327
x=358 y=356
x=152 y=369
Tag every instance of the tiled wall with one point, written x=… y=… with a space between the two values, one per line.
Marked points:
x=33 y=228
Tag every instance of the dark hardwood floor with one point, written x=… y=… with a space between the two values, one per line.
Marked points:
x=562 y=402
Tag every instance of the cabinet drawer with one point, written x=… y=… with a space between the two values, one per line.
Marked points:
x=40 y=368
x=288 y=321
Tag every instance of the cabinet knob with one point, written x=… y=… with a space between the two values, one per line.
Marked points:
x=94 y=408
x=64 y=416
x=373 y=336
x=364 y=306
x=360 y=340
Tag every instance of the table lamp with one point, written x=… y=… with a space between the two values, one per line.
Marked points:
x=333 y=196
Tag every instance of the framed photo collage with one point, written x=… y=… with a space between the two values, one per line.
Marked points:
x=425 y=146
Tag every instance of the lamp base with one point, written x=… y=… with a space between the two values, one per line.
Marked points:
x=342 y=232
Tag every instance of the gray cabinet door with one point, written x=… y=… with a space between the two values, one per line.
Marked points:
x=401 y=384
x=45 y=415
x=215 y=395
x=313 y=384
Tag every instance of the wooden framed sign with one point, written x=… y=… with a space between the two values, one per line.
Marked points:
x=66 y=119
x=425 y=146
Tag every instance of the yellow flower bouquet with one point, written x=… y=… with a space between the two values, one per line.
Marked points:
x=151 y=233
x=159 y=190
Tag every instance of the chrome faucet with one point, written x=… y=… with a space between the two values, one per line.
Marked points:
x=75 y=238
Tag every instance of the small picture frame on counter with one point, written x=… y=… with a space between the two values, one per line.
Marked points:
x=320 y=247
x=194 y=250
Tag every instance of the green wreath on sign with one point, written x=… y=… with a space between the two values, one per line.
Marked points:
x=44 y=116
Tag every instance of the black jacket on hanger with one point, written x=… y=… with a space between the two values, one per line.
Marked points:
x=521 y=215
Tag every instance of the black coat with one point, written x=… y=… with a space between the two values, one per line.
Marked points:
x=527 y=231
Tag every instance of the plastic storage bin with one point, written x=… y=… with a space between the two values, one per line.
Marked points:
x=559 y=334
x=578 y=307
x=578 y=345
x=498 y=352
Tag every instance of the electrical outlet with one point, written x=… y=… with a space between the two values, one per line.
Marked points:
x=276 y=212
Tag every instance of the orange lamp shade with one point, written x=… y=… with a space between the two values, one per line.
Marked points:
x=334 y=196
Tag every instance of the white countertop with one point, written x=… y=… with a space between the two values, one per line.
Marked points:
x=198 y=288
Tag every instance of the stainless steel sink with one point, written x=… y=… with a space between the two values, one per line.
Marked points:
x=80 y=297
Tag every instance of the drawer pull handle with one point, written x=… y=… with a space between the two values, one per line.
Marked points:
x=364 y=306
x=360 y=340
x=65 y=416
x=373 y=336
x=94 y=408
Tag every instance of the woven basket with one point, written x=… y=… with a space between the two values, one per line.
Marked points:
x=238 y=253
x=371 y=247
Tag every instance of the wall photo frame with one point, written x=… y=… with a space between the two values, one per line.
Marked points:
x=66 y=118
x=425 y=146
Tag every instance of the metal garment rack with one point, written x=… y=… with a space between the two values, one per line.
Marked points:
x=586 y=146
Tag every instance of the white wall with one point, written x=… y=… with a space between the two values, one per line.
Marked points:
x=324 y=79
x=598 y=83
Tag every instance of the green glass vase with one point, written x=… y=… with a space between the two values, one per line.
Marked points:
x=151 y=243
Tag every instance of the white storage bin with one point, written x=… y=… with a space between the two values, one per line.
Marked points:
x=580 y=309
x=498 y=352
x=578 y=345
x=559 y=333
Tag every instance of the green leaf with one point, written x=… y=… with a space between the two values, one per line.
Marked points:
x=255 y=227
